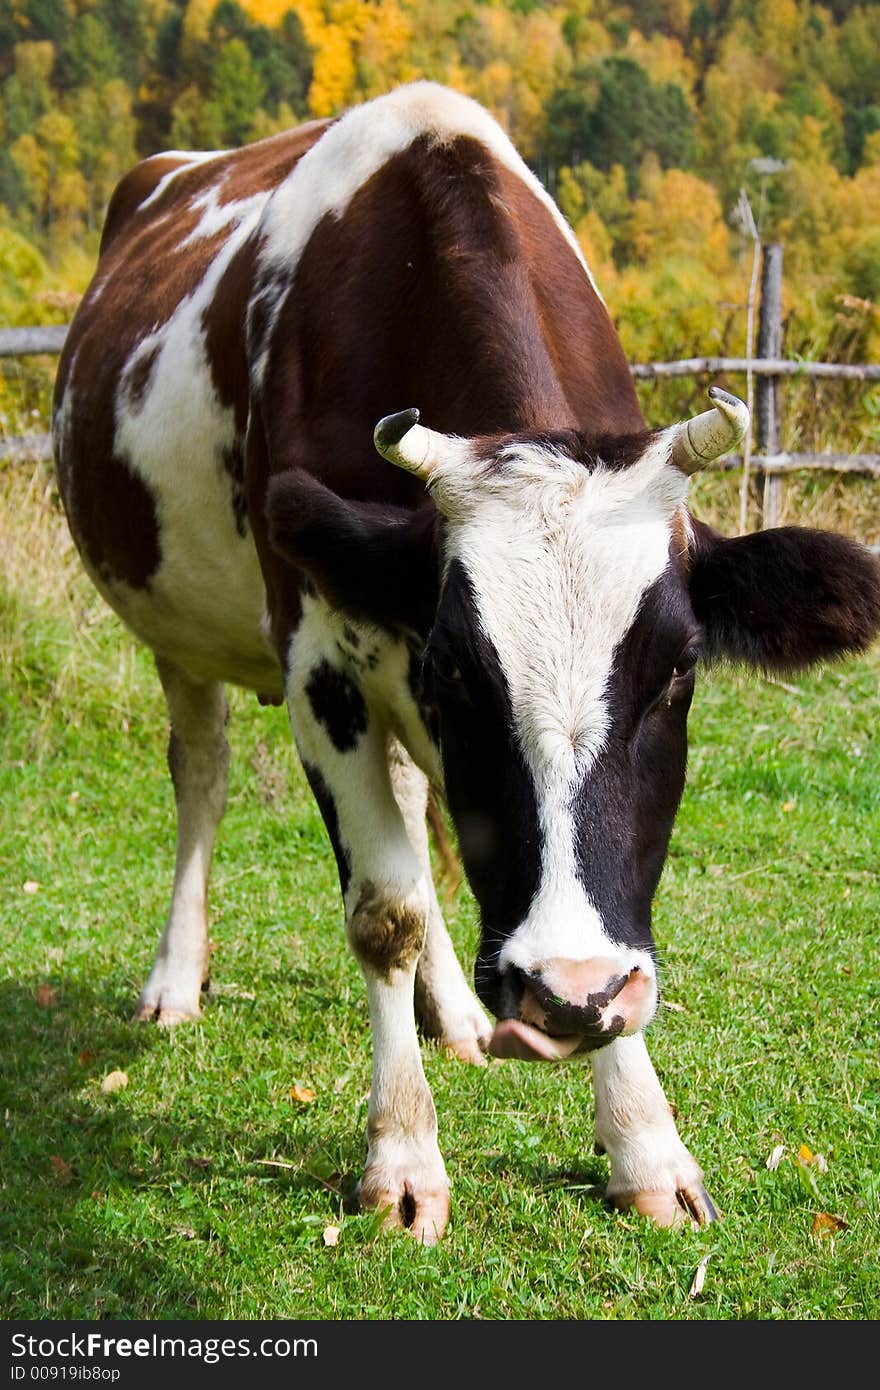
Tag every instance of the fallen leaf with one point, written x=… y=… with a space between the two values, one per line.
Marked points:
x=96 y=1196
x=46 y=997
x=776 y=1157
x=699 y=1278
x=825 y=1224
x=115 y=1081
x=30 y=885
x=62 y=1167
x=85 y=1057
x=810 y=1160
x=331 y=1235
x=304 y=1094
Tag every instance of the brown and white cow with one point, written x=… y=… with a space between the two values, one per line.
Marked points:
x=513 y=612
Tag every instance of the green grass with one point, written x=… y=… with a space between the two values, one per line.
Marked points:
x=163 y=1203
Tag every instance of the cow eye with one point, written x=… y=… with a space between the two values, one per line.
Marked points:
x=444 y=667
x=686 y=662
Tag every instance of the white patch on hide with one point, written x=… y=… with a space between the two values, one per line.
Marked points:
x=204 y=605
x=216 y=216
x=189 y=159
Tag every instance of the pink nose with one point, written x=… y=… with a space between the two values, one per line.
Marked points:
x=591 y=998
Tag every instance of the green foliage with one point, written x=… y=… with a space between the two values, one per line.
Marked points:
x=613 y=114
x=23 y=274
x=858 y=123
x=27 y=94
x=235 y=94
x=91 y=55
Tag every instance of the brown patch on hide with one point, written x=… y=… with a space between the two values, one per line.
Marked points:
x=385 y=935
x=586 y=352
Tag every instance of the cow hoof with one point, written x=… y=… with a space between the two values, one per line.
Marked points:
x=689 y=1205
x=166 y=1015
x=470 y=1050
x=460 y=1028
x=419 y=1210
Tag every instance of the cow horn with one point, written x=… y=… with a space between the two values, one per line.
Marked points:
x=711 y=434
x=403 y=441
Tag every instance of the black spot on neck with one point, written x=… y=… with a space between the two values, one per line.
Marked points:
x=338 y=705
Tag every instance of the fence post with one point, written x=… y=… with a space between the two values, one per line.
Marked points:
x=767 y=431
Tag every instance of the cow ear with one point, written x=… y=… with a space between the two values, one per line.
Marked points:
x=783 y=599
x=378 y=563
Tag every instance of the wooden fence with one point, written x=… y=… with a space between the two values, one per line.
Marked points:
x=768 y=462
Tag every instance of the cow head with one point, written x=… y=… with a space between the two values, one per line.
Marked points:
x=564 y=599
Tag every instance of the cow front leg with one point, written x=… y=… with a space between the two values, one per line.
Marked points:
x=651 y=1170
x=446 y=1009
x=404 y=1174
x=344 y=751
x=198 y=759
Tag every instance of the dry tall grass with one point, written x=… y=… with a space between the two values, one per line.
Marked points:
x=59 y=641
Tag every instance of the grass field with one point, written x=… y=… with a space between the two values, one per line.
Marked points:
x=202 y=1189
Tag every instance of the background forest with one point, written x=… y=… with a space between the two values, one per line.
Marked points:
x=645 y=120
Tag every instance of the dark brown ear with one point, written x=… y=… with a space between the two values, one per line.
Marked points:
x=375 y=562
x=783 y=599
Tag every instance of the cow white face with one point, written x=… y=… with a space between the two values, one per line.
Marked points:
x=563 y=594
x=560 y=666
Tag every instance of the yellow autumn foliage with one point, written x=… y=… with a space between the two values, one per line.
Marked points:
x=334 y=73
x=197 y=20
x=384 y=50
x=680 y=219
x=595 y=241
x=664 y=58
x=268 y=12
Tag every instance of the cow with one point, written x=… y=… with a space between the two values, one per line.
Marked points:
x=343 y=419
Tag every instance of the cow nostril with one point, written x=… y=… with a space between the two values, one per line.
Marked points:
x=595 y=998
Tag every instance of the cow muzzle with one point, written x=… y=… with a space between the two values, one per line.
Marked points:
x=562 y=1007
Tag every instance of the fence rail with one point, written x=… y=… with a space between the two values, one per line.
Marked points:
x=759 y=366
x=43 y=341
